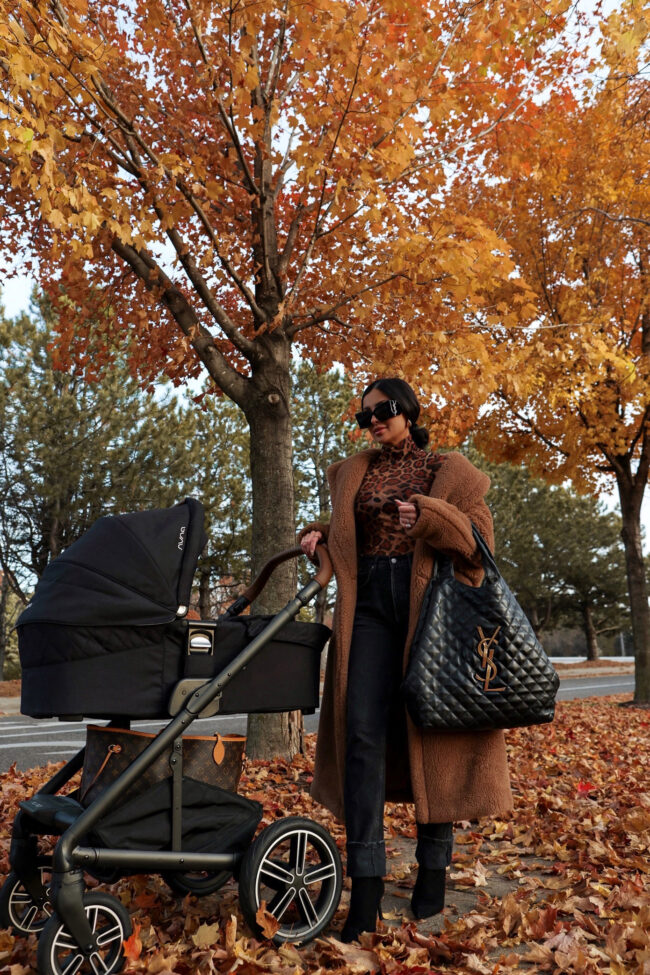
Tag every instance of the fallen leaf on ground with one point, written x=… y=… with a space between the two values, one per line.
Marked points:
x=581 y=906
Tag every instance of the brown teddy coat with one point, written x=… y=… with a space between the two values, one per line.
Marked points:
x=453 y=776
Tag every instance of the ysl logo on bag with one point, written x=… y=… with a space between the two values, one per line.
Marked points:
x=485 y=650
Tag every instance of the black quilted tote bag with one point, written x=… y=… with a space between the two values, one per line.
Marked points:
x=475 y=663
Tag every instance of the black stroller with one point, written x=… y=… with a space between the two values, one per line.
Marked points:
x=104 y=637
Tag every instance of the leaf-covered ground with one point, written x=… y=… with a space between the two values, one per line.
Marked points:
x=561 y=885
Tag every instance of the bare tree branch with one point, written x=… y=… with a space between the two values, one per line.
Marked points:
x=315 y=317
x=532 y=426
x=155 y=280
x=644 y=222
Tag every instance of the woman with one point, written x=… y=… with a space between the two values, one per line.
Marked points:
x=393 y=509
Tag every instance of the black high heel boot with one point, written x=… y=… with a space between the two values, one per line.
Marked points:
x=365 y=902
x=429 y=893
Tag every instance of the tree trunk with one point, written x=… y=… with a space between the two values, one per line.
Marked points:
x=4 y=593
x=269 y=418
x=205 y=609
x=533 y=616
x=321 y=606
x=631 y=498
x=590 y=633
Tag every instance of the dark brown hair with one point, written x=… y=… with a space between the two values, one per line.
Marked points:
x=400 y=390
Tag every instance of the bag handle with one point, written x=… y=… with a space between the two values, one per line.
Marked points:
x=445 y=564
x=489 y=565
x=113 y=749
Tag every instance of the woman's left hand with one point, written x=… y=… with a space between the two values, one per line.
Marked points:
x=408 y=513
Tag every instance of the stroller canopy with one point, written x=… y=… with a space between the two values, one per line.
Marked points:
x=133 y=569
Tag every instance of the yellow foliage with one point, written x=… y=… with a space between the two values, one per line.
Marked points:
x=576 y=402
x=295 y=157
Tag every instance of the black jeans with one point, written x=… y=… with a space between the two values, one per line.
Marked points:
x=375 y=708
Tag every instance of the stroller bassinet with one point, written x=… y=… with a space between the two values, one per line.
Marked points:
x=104 y=634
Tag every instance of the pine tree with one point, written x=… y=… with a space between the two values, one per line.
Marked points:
x=560 y=552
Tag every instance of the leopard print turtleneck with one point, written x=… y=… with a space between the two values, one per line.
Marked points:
x=397 y=473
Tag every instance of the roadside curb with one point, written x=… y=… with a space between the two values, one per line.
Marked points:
x=600 y=672
x=9 y=705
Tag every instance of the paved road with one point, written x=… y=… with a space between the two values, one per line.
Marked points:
x=30 y=742
x=592 y=686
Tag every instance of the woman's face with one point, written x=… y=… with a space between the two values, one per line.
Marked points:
x=391 y=431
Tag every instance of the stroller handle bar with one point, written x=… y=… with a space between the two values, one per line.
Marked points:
x=325 y=568
x=322 y=577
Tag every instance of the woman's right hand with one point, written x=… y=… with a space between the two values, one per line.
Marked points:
x=309 y=542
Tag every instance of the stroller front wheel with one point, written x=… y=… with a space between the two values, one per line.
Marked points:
x=294 y=868
x=18 y=909
x=59 y=954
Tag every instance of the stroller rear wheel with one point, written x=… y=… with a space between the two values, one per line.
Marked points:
x=18 y=909
x=59 y=954
x=200 y=882
x=294 y=868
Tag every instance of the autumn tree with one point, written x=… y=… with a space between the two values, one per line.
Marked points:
x=559 y=551
x=228 y=181
x=569 y=191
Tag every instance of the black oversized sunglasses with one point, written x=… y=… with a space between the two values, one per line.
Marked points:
x=382 y=411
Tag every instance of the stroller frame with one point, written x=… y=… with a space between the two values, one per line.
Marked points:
x=70 y=859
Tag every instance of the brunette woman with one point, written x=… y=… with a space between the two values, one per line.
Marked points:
x=393 y=509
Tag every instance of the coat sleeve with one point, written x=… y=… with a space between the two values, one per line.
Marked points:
x=447 y=527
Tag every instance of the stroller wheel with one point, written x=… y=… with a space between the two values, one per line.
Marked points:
x=18 y=909
x=200 y=882
x=293 y=867
x=59 y=954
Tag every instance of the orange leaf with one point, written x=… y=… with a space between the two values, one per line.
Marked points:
x=268 y=923
x=145 y=899
x=133 y=945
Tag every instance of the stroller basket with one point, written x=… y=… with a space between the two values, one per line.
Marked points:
x=214 y=820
